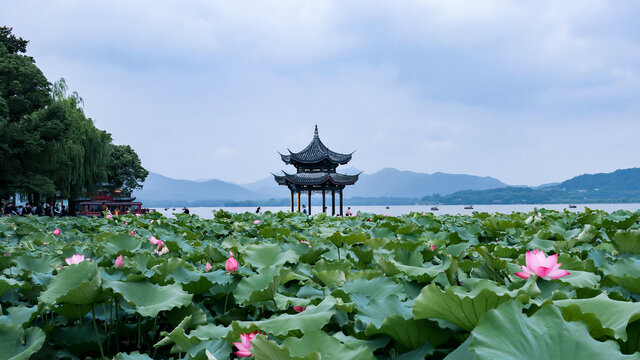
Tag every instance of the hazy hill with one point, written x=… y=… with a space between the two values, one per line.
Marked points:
x=160 y=189
x=624 y=179
x=390 y=182
x=391 y=186
x=620 y=186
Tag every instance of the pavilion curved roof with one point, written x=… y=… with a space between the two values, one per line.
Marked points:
x=316 y=178
x=316 y=152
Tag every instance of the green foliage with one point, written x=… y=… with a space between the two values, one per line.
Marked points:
x=363 y=290
x=12 y=43
x=124 y=169
x=48 y=145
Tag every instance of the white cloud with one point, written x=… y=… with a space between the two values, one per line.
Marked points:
x=526 y=91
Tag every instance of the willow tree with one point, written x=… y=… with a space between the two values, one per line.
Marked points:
x=73 y=153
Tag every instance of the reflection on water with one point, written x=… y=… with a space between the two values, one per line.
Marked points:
x=395 y=210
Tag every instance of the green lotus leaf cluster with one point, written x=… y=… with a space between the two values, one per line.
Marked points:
x=417 y=286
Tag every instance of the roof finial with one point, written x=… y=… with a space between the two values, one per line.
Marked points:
x=315 y=132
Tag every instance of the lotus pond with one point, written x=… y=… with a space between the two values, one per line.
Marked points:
x=366 y=287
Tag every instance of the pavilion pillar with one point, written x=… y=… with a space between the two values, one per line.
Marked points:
x=324 y=205
x=298 y=201
x=309 y=213
x=291 y=200
x=340 y=202
x=333 y=202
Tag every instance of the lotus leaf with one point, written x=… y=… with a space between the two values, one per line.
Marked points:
x=507 y=333
x=149 y=299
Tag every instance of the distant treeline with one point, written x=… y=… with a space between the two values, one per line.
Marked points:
x=518 y=195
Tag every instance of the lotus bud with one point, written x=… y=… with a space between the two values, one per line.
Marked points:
x=119 y=263
x=208 y=267
x=56 y=232
x=231 y=265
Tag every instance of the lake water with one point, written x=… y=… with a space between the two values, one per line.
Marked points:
x=395 y=210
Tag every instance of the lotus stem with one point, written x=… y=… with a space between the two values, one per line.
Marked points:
x=227 y=297
x=106 y=325
x=95 y=327
x=155 y=333
x=115 y=305
x=139 y=332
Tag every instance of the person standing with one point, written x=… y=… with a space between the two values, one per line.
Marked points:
x=9 y=210
x=57 y=211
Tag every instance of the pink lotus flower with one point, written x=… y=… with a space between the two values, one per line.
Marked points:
x=388 y=214
x=44 y=243
x=162 y=251
x=155 y=241
x=109 y=216
x=126 y=223
x=56 y=232
x=540 y=265
x=132 y=233
x=256 y=222
x=6 y=254
x=119 y=262
x=151 y=221
x=232 y=264
x=299 y=308
x=304 y=242
x=433 y=247
x=208 y=267
x=76 y=259
x=244 y=346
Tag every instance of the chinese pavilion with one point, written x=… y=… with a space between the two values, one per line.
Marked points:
x=316 y=173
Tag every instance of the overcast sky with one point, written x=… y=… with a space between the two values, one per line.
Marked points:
x=528 y=92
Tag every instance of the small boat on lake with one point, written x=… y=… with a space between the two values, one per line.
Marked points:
x=572 y=206
x=434 y=208
x=469 y=207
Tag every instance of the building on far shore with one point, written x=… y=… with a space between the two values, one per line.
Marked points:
x=316 y=173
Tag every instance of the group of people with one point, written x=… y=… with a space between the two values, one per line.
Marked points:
x=304 y=210
x=41 y=209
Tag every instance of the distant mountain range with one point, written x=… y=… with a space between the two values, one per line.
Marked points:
x=393 y=187
x=620 y=186
x=387 y=184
